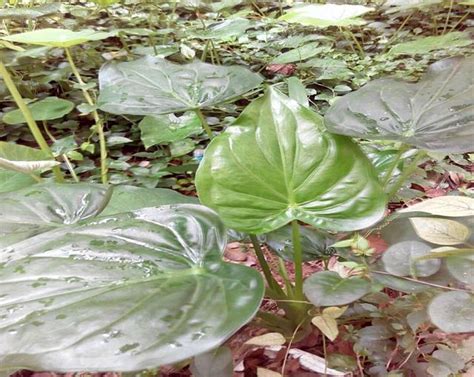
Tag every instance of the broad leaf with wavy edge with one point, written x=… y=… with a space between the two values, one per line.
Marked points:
x=274 y=165
x=437 y=113
x=153 y=86
x=124 y=292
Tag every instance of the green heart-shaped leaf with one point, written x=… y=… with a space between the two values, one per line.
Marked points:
x=46 y=109
x=153 y=86
x=275 y=165
x=325 y=15
x=58 y=37
x=125 y=292
x=436 y=113
x=328 y=288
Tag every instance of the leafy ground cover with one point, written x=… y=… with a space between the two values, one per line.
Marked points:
x=157 y=158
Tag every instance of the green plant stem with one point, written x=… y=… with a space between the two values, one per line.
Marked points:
x=388 y=174
x=284 y=274
x=35 y=131
x=358 y=45
x=406 y=173
x=64 y=156
x=298 y=259
x=394 y=36
x=272 y=283
x=95 y=114
x=448 y=16
x=204 y=123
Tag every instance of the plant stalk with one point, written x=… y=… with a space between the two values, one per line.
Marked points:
x=204 y=123
x=35 y=131
x=272 y=283
x=388 y=175
x=298 y=259
x=98 y=122
x=406 y=173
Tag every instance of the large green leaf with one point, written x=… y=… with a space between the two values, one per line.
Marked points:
x=425 y=45
x=275 y=165
x=153 y=86
x=327 y=288
x=436 y=113
x=46 y=109
x=324 y=15
x=30 y=12
x=58 y=37
x=130 y=198
x=124 y=292
x=42 y=207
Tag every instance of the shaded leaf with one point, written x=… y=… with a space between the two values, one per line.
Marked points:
x=436 y=113
x=400 y=259
x=453 y=312
x=215 y=363
x=299 y=54
x=154 y=86
x=168 y=128
x=425 y=45
x=274 y=165
x=447 y=206
x=327 y=288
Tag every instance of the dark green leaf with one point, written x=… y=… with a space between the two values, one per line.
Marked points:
x=153 y=86
x=46 y=109
x=436 y=113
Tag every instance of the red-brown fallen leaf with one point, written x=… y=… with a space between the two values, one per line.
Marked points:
x=435 y=192
x=282 y=69
x=378 y=243
x=234 y=252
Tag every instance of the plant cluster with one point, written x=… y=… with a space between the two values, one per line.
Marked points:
x=112 y=276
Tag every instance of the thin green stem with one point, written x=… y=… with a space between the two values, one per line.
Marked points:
x=35 y=131
x=98 y=122
x=394 y=36
x=204 y=123
x=359 y=47
x=448 y=16
x=388 y=174
x=64 y=156
x=284 y=274
x=406 y=173
x=272 y=283
x=298 y=259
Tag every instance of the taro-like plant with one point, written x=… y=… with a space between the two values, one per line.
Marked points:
x=119 y=292
x=155 y=86
x=277 y=165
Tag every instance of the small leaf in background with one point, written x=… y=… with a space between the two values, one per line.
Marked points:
x=58 y=37
x=168 y=128
x=462 y=268
x=45 y=109
x=327 y=288
x=215 y=363
x=181 y=147
x=297 y=91
x=400 y=259
x=425 y=45
x=447 y=206
x=300 y=53
x=440 y=231
x=453 y=312
x=117 y=140
x=327 y=325
x=269 y=339
x=27 y=167
x=327 y=15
